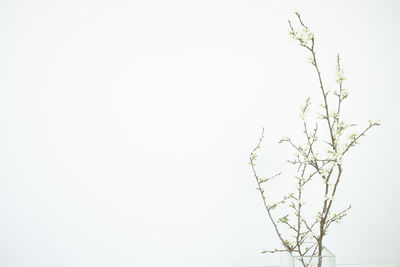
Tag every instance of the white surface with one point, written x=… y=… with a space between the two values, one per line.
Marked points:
x=353 y=265
x=126 y=128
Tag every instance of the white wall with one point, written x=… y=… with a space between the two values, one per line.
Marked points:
x=126 y=128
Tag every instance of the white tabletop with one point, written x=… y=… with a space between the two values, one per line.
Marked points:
x=349 y=265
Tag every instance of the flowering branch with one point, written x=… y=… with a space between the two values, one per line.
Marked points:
x=253 y=158
x=311 y=162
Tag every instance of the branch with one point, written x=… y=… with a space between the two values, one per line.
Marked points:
x=253 y=157
x=355 y=139
x=273 y=251
x=336 y=217
x=304 y=42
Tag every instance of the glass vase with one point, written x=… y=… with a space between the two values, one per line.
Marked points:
x=293 y=259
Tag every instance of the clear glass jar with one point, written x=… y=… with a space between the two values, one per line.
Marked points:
x=327 y=259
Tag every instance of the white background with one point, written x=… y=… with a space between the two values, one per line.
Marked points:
x=126 y=128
